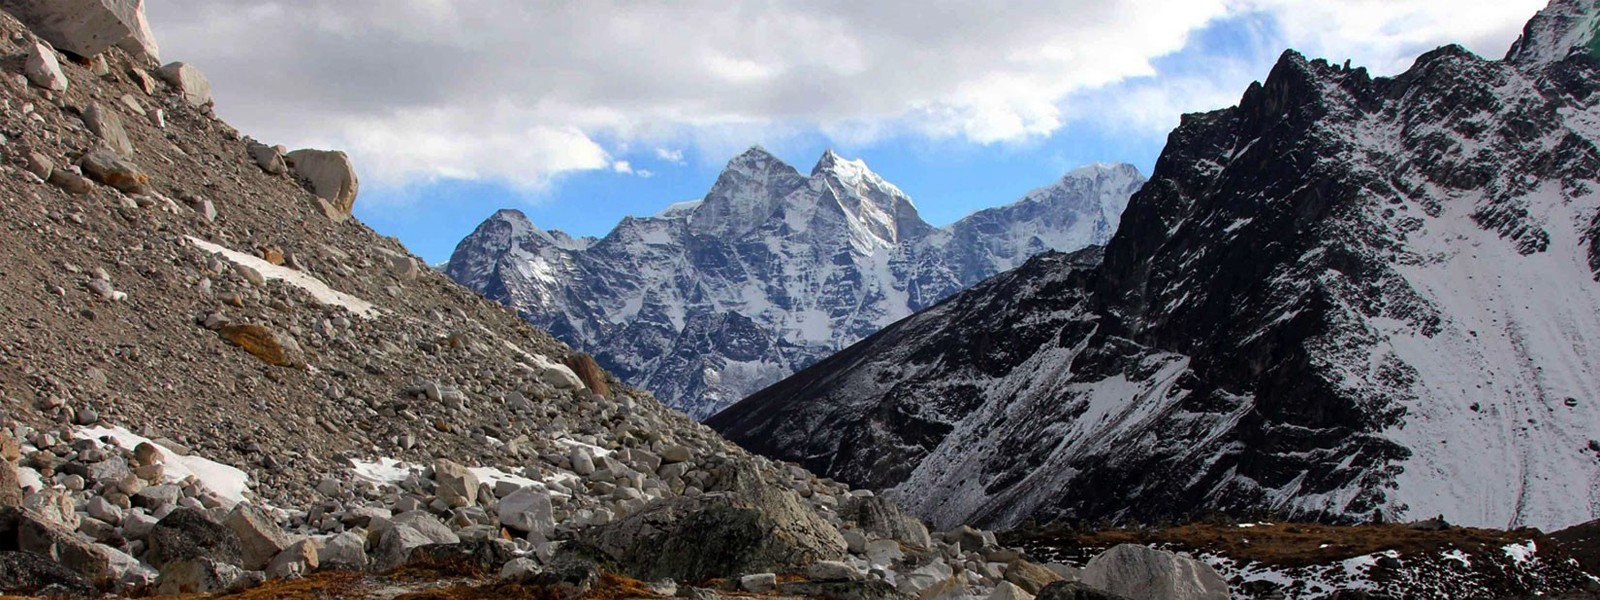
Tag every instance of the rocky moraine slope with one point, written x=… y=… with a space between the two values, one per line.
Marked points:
x=213 y=380
x=1345 y=298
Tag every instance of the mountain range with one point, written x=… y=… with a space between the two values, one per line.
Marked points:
x=1348 y=297
x=714 y=299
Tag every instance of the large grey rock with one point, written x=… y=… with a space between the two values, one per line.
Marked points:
x=458 y=486
x=87 y=27
x=527 y=510
x=1006 y=590
x=105 y=123
x=395 y=545
x=186 y=533
x=268 y=158
x=260 y=539
x=109 y=168
x=841 y=590
x=200 y=575
x=299 y=559
x=428 y=525
x=43 y=70
x=1143 y=572
x=11 y=493
x=29 y=532
x=29 y=573
x=190 y=83
x=742 y=525
x=1072 y=590
x=331 y=175
x=883 y=518
x=346 y=551
x=1029 y=576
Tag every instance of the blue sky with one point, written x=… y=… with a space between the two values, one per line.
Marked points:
x=580 y=114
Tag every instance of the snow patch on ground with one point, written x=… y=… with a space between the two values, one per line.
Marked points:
x=304 y=281
x=228 y=483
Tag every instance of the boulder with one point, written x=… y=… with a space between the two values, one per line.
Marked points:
x=1006 y=590
x=108 y=168
x=345 y=552
x=831 y=570
x=759 y=583
x=395 y=545
x=1072 y=590
x=186 y=533
x=1143 y=572
x=463 y=559
x=268 y=158
x=260 y=539
x=11 y=494
x=1029 y=576
x=840 y=590
x=55 y=507
x=676 y=454
x=299 y=559
x=589 y=373
x=38 y=575
x=331 y=176
x=528 y=510
x=741 y=525
x=189 y=82
x=29 y=532
x=42 y=68
x=200 y=575
x=156 y=496
x=87 y=27
x=260 y=341
x=107 y=125
x=457 y=485
x=426 y=524
x=883 y=518
x=968 y=538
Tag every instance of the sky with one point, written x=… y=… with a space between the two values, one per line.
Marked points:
x=580 y=113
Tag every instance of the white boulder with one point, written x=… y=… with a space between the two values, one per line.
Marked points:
x=87 y=27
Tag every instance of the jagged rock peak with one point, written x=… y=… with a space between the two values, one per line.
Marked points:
x=1562 y=29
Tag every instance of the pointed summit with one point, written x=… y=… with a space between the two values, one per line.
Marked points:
x=756 y=157
x=746 y=193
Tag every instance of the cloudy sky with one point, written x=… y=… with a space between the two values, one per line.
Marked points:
x=579 y=113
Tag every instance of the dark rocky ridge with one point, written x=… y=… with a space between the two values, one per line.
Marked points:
x=1292 y=319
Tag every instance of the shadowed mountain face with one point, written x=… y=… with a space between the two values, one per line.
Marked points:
x=712 y=300
x=1344 y=296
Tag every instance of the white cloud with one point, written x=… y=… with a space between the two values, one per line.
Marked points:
x=1386 y=35
x=521 y=91
x=670 y=155
x=622 y=166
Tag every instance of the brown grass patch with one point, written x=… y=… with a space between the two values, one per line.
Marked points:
x=610 y=587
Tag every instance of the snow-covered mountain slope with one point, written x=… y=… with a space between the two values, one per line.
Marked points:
x=713 y=299
x=1344 y=296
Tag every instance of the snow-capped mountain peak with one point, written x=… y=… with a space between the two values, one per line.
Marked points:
x=711 y=300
